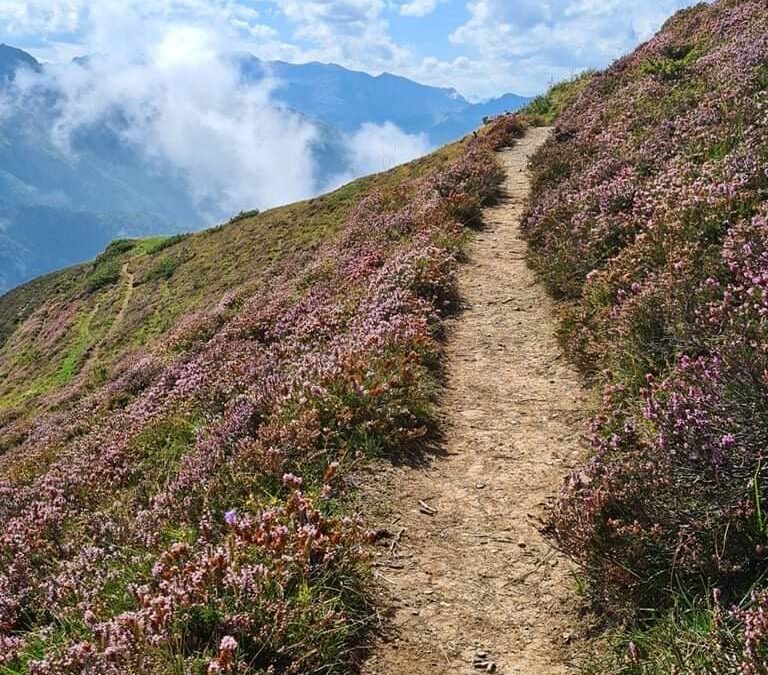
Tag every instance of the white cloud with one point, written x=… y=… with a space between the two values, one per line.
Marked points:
x=532 y=41
x=378 y=147
x=354 y=33
x=418 y=7
x=504 y=45
x=172 y=91
x=24 y=17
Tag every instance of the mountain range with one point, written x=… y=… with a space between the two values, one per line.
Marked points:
x=61 y=206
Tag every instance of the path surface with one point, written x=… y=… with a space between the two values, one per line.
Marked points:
x=128 y=280
x=467 y=576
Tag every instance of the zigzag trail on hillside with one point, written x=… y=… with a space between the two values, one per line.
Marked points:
x=469 y=582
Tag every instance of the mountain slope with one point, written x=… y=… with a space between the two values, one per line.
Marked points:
x=60 y=206
x=348 y=99
x=11 y=59
x=649 y=221
x=177 y=420
x=108 y=187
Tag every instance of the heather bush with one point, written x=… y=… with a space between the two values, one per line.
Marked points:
x=649 y=220
x=104 y=273
x=190 y=515
x=164 y=269
x=502 y=131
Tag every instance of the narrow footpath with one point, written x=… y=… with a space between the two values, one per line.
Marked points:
x=469 y=582
x=128 y=280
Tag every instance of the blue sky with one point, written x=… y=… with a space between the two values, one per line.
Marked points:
x=481 y=47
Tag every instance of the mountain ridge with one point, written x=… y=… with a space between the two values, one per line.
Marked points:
x=112 y=191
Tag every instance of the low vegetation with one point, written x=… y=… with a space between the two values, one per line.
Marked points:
x=545 y=109
x=650 y=222
x=188 y=514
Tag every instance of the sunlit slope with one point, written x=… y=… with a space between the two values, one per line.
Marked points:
x=135 y=292
x=649 y=220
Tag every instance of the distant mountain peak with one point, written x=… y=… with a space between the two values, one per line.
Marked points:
x=11 y=59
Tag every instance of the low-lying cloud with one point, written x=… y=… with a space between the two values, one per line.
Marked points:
x=175 y=93
x=378 y=147
x=178 y=98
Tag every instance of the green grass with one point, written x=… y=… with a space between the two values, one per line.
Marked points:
x=77 y=350
x=152 y=245
x=547 y=107
x=684 y=640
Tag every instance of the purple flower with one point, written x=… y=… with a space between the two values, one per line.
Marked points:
x=228 y=644
x=289 y=480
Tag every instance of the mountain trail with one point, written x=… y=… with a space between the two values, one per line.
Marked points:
x=128 y=280
x=469 y=582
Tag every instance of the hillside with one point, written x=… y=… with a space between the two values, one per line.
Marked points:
x=648 y=221
x=63 y=202
x=191 y=426
x=178 y=418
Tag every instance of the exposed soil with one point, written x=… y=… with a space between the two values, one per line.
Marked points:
x=469 y=582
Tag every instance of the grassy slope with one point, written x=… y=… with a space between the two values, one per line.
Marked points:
x=545 y=109
x=49 y=326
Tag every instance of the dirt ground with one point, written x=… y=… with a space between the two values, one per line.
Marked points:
x=469 y=583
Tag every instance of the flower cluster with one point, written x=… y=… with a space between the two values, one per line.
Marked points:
x=650 y=216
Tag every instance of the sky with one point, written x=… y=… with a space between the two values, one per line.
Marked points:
x=482 y=48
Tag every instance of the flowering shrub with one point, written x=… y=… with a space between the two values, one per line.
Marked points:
x=189 y=514
x=650 y=217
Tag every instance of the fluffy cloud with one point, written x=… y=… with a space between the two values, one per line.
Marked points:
x=354 y=33
x=533 y=41
x=170 y=87
x=418 y=7
x=174 y=92
x=378 y=147
x=503 y=45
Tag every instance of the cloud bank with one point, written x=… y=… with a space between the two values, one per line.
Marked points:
x=378 y=147
x=173 y=91
x=481 y=47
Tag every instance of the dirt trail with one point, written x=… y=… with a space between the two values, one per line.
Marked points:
x=128 y=281
x=467 y=572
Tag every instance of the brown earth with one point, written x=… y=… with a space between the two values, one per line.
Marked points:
x=469 y=583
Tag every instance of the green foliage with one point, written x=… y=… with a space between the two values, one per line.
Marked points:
x=693 y=637
x=548 y=107
x=118 y=248
x=160 y=446
x=104 y=273
x=157 y=244
x=243 y=215
x=674 y=63
x=165 y=269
